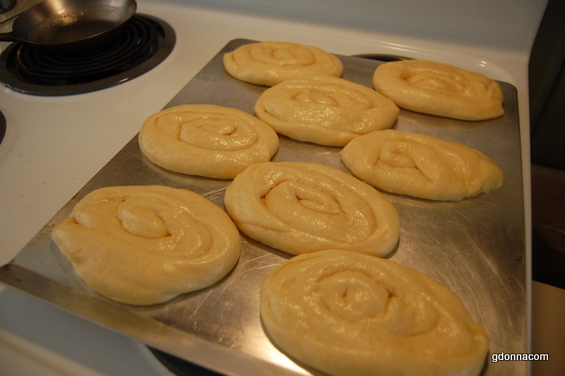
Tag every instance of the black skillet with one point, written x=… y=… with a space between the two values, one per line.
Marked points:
x=61 y=26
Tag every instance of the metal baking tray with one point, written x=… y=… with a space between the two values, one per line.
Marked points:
x=476 y=247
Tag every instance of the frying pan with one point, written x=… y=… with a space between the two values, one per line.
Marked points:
x=71 y=25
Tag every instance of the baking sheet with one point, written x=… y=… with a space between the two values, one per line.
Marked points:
x=476 y=247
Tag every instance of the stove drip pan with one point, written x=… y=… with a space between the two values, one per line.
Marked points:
x=145 y=42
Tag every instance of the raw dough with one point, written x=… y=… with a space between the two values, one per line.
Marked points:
x=148 y=244
x=269 y=63
x=324 y=110
x=301 y=207
x=353 y=314
x=421 y=166
x=206 y=140
x=439 y=89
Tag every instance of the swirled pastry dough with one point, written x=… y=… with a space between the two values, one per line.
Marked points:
x=269 y=63
x=421 y=166
x=354 y=314
x=439 y=89
x=301 y=207
x=206 y=140
x=148 y=244
x=324 y=110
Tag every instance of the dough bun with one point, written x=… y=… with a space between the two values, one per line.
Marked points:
x=148 y=244
x=299 y=207
x=439 y=89
x=353 y=314
x=421 y=166
x=269 y=63
x=206 y=140
x=324 y=110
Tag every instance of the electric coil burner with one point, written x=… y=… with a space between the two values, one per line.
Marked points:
x=145 y=42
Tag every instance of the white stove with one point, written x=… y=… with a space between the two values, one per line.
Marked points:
x=54 y=145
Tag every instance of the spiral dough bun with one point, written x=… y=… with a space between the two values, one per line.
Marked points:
x=355 y=314
x=269 y=63
x=206 y=140
x=421 y=166
x=324 y=110
x=148 y=244
x=300 y=207
x=439 y=89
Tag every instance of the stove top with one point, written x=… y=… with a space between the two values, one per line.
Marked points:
x=145 y=42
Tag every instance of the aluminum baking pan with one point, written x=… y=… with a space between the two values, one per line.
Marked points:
x=476 y=246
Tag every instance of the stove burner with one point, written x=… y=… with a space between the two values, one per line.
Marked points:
x=145 y=42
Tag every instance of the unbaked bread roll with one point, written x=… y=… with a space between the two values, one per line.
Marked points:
x=269 y=63
x=301 y=207
x=206 y=140
x=353 y=314
x=421 y=166
x=324 y=110
x=148 y=244
x=439 y=89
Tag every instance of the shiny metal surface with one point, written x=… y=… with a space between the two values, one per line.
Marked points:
x=71 y=26
x=476 y=247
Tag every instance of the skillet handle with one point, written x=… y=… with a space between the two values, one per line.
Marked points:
x=8 y=37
